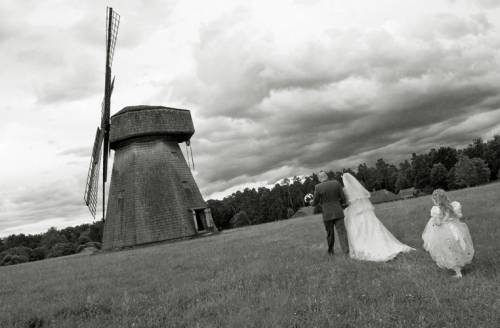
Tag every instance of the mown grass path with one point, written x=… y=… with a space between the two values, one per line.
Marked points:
x=271 y=275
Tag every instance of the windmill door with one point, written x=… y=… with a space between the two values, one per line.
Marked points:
x=199 y=219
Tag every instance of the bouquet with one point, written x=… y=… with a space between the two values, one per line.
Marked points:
x=308 y=198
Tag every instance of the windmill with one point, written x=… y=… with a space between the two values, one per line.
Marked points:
x=102 y=134
x=153 y=195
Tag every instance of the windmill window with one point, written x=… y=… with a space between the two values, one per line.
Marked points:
x=175 y=155
x=185 y=185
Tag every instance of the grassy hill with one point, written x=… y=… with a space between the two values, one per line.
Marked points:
x=271 y=275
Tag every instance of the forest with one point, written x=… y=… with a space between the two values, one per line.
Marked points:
x=446 y=168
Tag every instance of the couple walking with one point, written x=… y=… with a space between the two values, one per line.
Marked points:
x=362 y=235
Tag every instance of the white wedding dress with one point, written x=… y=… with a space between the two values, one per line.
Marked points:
x=369 y=239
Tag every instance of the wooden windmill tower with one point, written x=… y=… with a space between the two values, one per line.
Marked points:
x=153 y=195
x=102 y=135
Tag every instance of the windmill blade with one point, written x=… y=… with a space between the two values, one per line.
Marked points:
x=112 y=25
x=91 y=188
x=103 y=107
x=102 y=135
x=113 y=22
x=105 y=125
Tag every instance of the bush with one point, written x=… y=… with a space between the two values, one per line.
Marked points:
x=290 y=213
x=240 y=220
x=17 y=259
x=62 y=249
x=83 y=240
x=89 y=244
x=19 y=251
x=39 y=253
x=5 y=259
x=14 y=259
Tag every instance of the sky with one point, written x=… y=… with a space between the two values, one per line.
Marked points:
x=276 y=89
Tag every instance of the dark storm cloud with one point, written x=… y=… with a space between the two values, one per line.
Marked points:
x=352 y=95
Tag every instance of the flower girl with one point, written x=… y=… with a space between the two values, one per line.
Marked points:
x=446 y=238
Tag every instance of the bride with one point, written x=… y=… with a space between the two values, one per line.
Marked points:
x=369 y=240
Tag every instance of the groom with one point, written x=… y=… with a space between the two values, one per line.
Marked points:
x=330 y=195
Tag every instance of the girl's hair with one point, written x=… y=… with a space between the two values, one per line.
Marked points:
x=441 y=200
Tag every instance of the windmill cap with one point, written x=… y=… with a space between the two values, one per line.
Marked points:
x=144 y=107
x=134 y=122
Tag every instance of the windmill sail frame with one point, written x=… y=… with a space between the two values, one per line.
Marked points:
x=92 y=185
x=102 y=135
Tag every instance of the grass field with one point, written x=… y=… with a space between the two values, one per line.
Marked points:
x=271 y=275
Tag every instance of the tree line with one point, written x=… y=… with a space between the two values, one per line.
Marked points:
x=445 y=168
x=21 y=248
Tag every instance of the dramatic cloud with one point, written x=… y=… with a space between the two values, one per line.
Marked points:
x=344 y=95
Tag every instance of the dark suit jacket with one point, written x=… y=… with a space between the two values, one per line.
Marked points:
x=331 y=197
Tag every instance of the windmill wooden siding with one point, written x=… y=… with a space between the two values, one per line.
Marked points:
x=152 y=193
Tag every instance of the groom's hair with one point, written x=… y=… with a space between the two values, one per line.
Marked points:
x=322 y=176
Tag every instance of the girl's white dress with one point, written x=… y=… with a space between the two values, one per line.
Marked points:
x=450 y=243
x=369 y=239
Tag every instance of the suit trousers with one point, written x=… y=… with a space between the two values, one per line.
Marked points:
x=341 y=231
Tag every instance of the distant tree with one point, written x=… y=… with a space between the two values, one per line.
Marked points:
x=439 y=176
x=492 y=156
x=382 y=173
x=297 y=193
x=404 y=179
x=62 y=249
x=97 y=231
x=83 y=239
x=476 y=149
x=20 y=240
x=451 y=179
x=420 y=171
x=465 y=172
x=286 y=183
x=364 y=175
x=39 y=253
x=52 y=237
x=71 y=233
x=314 y=178
x=308 y=185
x=222 y=212
x=482 y=171
x=290 y=213
x=240 y=220
x=446 y=156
